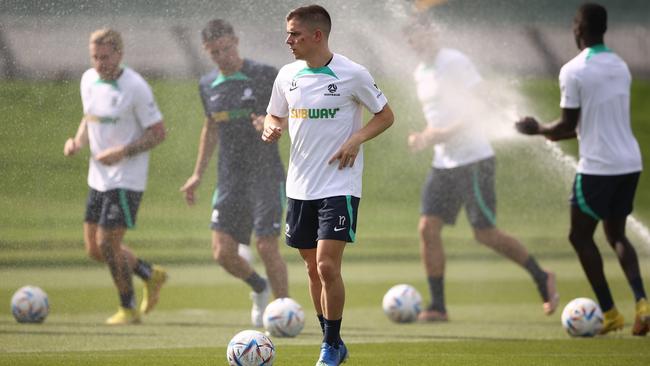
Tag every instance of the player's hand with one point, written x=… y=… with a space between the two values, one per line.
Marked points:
x=527 y=126
x=112 y=155
x=258 y=122
x=347 y=154
x=189 y=187
x=71 y=147
x=271 y=133
x=416 y=142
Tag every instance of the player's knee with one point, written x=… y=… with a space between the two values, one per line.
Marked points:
x=427 y=227
x=328 y=271
x=222 y=256
x=486 y=237
x=312 y=271
x=267 y=248
x=95 y=254
x=578 y=240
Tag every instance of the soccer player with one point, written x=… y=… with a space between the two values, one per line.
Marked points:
x=121 y=124
x=320 y=97
x=462 y=175
x=250 y=188
x=595 y=103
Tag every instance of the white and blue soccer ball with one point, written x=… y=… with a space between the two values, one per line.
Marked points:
x=283 y=317
x=250 y=348
x=402 y=303
x=582 y=317
x=30 y=305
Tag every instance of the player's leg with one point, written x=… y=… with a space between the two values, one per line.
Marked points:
x=581 y=234
x=225 y=253
x=480 y=206
x=267 y=217
x=109 y=240
x=511 y=248
x=276 y=268
x=627 y=258
x=433 y=258
x=329 y=257
x=301 y=233
x=624 y=189
x=232 y=223
x=337 y=222
x=441 y=201
x=315 y=286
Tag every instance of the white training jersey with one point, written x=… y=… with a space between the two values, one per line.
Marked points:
x=117 y=113
x=598 y=82
x=324 y=108
x=444 y=89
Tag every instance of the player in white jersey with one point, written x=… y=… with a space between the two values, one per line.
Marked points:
x=463 y=169
x=121 y=124
x=321 y=98
x=595 y=102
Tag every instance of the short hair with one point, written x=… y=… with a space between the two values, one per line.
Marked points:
x=215 y=29
x=593 y=17
x=314 y=16
x=107 y=36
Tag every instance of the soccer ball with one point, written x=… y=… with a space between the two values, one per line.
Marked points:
x=582 y=317
x=402 y=303
x=29 y=305
x=283 y=317
x=250 y=348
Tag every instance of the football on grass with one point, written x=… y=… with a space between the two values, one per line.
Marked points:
x=30 y=305
x=402 y=303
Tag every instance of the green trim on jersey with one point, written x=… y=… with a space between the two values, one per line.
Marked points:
x=222 y=79
x=596 y=49
x=316 y=70
x=348 y=199
x=479 y=199
x=582 y=202
x=124 y=203
x=112 y=83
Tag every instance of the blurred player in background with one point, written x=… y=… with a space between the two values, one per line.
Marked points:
x=250 y=189
x=595 y=102
x=320 y=98
x=121 y=124
x=463 y=166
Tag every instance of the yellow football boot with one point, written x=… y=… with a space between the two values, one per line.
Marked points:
x=612 y=320
x=642 y=318
x=151 y=290
x=124 y=316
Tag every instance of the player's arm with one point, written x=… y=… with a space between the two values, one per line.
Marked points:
x=207 y=144
x=561 y=129
x=76 y=143
x=418 y=141
x=347 y=153
x=152 y=136
x=273 y=127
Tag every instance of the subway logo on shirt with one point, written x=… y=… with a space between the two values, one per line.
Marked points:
x=313 y=113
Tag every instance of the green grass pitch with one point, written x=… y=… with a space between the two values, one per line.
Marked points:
x=496 y=314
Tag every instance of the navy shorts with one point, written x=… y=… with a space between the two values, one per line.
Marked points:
x=605 y=196
x=237 y=209
x=471 y=186
x=114 y=208
x=332 y=218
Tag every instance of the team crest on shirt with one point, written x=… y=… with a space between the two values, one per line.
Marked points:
x=248 y=94
x=332 y=88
